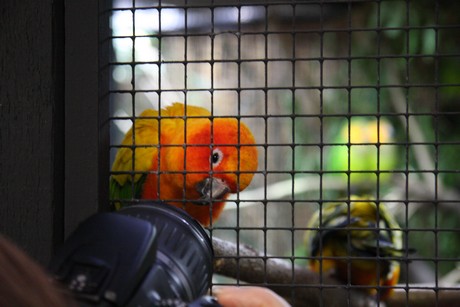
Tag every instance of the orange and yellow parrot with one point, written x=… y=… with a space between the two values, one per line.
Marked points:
x=357 y=243
x=181 y=156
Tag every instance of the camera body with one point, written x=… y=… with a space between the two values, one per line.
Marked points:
x=143 y=255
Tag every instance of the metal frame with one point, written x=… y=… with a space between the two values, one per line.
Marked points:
x=86 y=159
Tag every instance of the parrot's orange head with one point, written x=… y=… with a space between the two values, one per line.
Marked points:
x=220 y=158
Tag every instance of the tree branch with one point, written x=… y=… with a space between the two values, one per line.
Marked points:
x=425 y=297
x=302 y=287
x=298 y=285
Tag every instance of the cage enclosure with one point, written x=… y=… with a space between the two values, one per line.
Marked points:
x=325 y=134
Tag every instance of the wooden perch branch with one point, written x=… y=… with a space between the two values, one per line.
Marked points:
x=424 y=297
x=298 y=285
x=302 y=287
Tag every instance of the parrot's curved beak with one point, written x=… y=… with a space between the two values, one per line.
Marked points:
x=212 y=188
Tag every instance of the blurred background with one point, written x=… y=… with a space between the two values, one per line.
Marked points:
x=343 y=98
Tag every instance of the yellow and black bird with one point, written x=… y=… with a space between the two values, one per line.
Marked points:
x=357 y=242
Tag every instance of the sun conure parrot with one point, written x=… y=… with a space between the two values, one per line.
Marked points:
x=364 y=134
x=356 y=242
x=188 y=160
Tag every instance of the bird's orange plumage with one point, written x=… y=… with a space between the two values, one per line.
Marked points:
x=189 y=142
x=358 y=271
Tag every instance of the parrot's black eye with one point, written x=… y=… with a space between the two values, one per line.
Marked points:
x=216 y=157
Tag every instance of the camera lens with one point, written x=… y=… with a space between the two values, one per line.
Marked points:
x=184 y=260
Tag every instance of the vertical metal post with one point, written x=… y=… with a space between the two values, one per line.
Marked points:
x=85 y=119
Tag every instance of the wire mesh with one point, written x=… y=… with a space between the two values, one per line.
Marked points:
x=345 y=99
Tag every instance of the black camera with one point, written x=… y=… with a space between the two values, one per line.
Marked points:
x=143 y=255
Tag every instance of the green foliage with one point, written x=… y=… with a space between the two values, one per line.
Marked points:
x=411 y=48
x=443 y=243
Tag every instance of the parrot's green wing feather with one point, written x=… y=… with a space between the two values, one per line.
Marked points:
x=134 y=159
x=122 y=195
